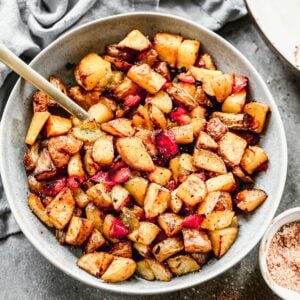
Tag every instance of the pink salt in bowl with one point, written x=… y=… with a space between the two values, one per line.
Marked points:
x=288 y=216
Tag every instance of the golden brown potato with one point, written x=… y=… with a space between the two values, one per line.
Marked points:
x=160 y=176
x=34 y=185
x=93 y=71
x=161 y=272
x=217 y=220
x=78 y=231
x=253 y=158
x=38 y=209
x=95 y=263
x=156 y=200
x=222 y=240
x=37 y=123
x=198 y=126
x=216 y=129
x=222 y=86
x=181 y=166
x=192 y=190
x=87 y=131
x=163 y=101
x=225 y=182
x=75 y=166
x=135 y=40
x=143 y=250
x=57 y=125
x=134 y=153
x=90 y=165
x=167 y=46
x=145 y=234
x=44 y=166
x=122 y=249
x=201 y=258
x=125 y=88
x=119 y=127
x=232 y=148
x=114 y=80
x=183 y=134
x=157 y=117
x=187 y=53
x=106 y=227
x=167 y=248
x=170 y=223
x=248 y=200
x=103 y=151
x=101 y=113
x=182 y=264
x=198 y=113
x=31 y=156
x=96 y=240
x=195 y=240
x=146 y=78
x=148 y=139
x=130 y=216
x=120 y=197
x=175 y=202
x=60 y=210
x=205 y=141
x=235 y=102
x=93 y=214
x=259 y=113
x=206 y=61
x=232 y=121
x=209 y=161
x=84 y=98
x=143 y=270
x=99 y=194
x=137 y=187
x=202 y=74
x=241 y=174
x=120 y=269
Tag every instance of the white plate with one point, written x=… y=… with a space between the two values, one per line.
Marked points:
x=279 y=22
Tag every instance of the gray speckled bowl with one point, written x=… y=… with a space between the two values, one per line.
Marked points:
x=93 y=37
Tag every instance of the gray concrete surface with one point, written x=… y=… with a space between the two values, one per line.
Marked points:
x=25 y=274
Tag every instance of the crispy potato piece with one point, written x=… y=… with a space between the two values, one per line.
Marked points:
x=195 y=240
x=120 y=269
x=156 y=200
x=182 y=96
x=167 y=248
x=93 y=214
x=95 y=263
x=183 y=134
x=216 y=129
x=202 y=74
x=141 y=118
x=209 y=161
x=93 y=71
x=134 y=153
x=44 y=166
x=143 y=270
x=232 y=121
x=125 y=88
x=192 y=190
x=222 y=240
x=187 y=53
x=106 y=227
x=103 y=151
x=160 y=176
x=167 y=46
x=78 y=231
x=84 y=98
x=37 y=123
x=240 y=173
x=205 y=141
x=96 y=240
x=60 y=210
x=175 y=202
x=148 y=139
x=75 y=166
x=101 y=113
x=206 y=61
x=31 y=156
x=232 y=148
x=225 y=182
x=137 y=187
x=201 y=258
x=149 y=57
x=259 y=113
x=163 y=101
x=161 y=272
x=143 y=250
x=135 y=40
x=34 y=185
x=38 y=209
x=198 y=126
x=181 y=166
x=171 y=223
x=119 y=127
x=99 y=194
x=253 y=157
x=145 y=77
x=157 y=117
x=182 y=264
x=222 y=86
x=57 y=125
x=217 y=220
x=198 y=112
x=145 y=234
x=248 y=200
x=90 y=165
x=120 y=197
x=87 y=131
x=235 y=103
x=122 y=249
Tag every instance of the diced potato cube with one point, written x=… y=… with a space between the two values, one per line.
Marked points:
x=160 y=176
x=222 y=86
x=259 y=113
x=167 y=248
x=143 y=270
x=224 y=183
x=249 y=200
x=253 y=157
x=217 y=220
x=181 y=166
x=232 y=121
x=135 y=40
x=119 y=127
x=187 y=53
x=31 y=156
x=125 y=88
x=106 y=227
x=96 y=240
x=103 y=151
x=57 y=125
x=75 y=166
x=137 y=187
x=161 y=272
x=235 y=102
x=199 y=112
x=157 y=117
x=44 y=166
x=175 y=202
x=90 y=165
x=122 y=248
x=119 y=196
x=195 y=240
x=163 y=101
x=93 y=214
x=171 y=223
x=206 y=61
x=87 y=131
x=202 y=74
x=182 y=264
x=145 y=234
x=198 y=126
x=241 y=174
x=148 y=138
x=99 y=194
x=183 y=134
x=205 y=141
x=101 y=113
x=142 y=249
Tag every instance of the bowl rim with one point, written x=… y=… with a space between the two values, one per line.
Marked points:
x=184 y=284
x=277 y=223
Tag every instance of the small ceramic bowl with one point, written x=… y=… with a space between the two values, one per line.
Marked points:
x=289 y=216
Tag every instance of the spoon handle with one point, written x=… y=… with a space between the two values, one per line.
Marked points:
x=37 y=80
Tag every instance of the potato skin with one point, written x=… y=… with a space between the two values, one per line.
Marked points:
x=249 y=199
x=182 y=264
x=195 y=240
x=167 y=248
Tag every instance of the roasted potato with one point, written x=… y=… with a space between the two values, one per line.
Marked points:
x=235 y=103
x=161 y=272
x=195 y=240
x=148 y=139
x=163 y=101
x=232 y=121
x=170 y=223
x=31 y=156
x=157 y=117
x=57 y=125
x=181 y=166
x=160 y=176
x=217 y=220
x=84 y=98
x=120 y=127
x=93 y=214
x=141 y=118
x=206 y=61
x=225 y=182
x=222 y=86
x=167 y=248
x=90 y=166
x=103 y=150
x=44 y=166
x=241 y=174
x=205 y=141
x=106 y=227
x=258 y=111
x=253 y=158
x=216 y=129
x=202 y=74
x=125 y=88
x=175 y=202
x=101 y=113
x=122 y=249
x=198 y=126
x=75 y=166
x=182 y=264
x=183 y=134
x=135 y=40
x=187 y=53
x=137 y=187
x=143 y=270
x=120 y=197
x=99 y=194
x=95 y=241
x=145 y=234
x=249 y=200
x=87 y=131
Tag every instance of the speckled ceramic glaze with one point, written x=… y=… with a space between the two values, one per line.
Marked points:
x=93 y=37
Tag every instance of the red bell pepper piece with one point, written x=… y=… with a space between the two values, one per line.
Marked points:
x=75 y=181
x=193 y=221
x=102 y=177
x=118 y=230
x=54 y=187
x=184 y=77
x=166 y=145
x=132 y=100
x=179 y=115
x=240 y=82
x=121 y=176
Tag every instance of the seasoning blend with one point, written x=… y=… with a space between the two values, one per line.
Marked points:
x=283 y=257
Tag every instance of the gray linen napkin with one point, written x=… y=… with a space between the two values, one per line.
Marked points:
x=26 y=27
